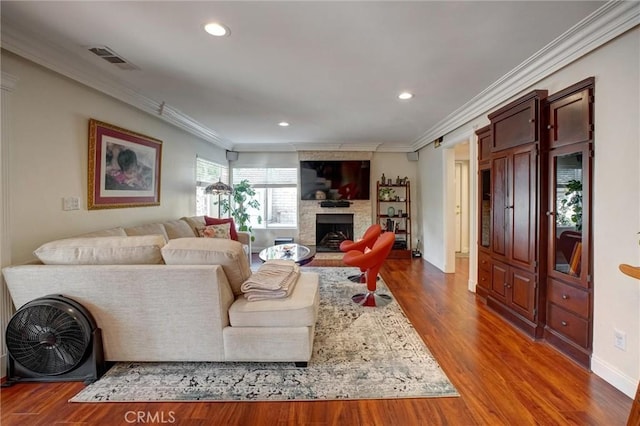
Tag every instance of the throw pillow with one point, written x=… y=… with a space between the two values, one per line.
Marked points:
x=215 y=231
x=215 y=221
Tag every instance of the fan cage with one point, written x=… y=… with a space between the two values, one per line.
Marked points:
x=49 y=336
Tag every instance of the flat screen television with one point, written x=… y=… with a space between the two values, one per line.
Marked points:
x=335 y=180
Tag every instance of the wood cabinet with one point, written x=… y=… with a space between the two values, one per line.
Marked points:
x=569 y=324
x=509 y=223
x=534 y=216
x=393 y=213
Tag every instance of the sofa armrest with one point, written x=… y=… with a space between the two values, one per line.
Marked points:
x=245 y=238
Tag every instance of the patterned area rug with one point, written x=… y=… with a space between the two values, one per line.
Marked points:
x=358 y=353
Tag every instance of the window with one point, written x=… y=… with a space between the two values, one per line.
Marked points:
x=208 y=172
x=276 y=191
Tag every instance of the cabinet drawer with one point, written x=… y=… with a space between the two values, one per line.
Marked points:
x=570 y=298
x=484 y=262
x=484 y=278
x=571 y=325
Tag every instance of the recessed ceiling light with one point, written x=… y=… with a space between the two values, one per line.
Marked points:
x=405 y=96
x=283 y=124
x=216 y=29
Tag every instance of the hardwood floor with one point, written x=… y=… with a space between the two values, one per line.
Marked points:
x=503 y=377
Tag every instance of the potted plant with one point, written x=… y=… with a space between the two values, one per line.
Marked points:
x=386 y=193
x=237 y=206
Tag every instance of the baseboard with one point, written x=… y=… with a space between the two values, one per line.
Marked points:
x=613 y=376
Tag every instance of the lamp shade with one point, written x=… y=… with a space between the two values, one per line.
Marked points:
x=218 y=188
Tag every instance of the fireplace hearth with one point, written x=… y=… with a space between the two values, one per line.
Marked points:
x=331 y=230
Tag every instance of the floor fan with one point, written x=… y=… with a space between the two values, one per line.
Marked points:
x=54 y=338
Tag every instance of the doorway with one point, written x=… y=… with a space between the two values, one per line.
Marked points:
x=457 y=199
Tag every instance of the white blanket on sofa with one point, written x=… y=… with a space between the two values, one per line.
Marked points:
x=275 y=279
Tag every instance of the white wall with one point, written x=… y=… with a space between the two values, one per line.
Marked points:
x=616 y=199
x=48 y=158
x=431 y=166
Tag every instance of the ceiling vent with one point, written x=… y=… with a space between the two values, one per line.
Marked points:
x=112 y=57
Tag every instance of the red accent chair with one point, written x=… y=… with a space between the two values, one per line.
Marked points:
x=370 y=236
x=371 y=261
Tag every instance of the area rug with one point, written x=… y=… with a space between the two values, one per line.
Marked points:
x=358 y=353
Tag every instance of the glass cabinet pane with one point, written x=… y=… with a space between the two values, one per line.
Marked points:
x=485 y=207
x=567 y=187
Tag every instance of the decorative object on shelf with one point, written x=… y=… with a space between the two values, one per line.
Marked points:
x=383 y=179
x=386 y=194
x=391 y=211
x=124 y=167
x=399 y=213
x=389 y=181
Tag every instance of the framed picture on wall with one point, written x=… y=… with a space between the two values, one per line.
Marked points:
x=124 y=167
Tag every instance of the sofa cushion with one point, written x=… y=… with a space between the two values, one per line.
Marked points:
x=194 y=222
x=300 y=309
x=215 y=221
x=210 y=251
x=102 y=251
x=147 y=229
x=111 y=232
x=178 y=229
x=221 y=230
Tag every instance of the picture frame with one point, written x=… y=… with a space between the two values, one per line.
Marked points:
x=124 y=167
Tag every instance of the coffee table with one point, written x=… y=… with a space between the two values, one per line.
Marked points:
x=296 y=252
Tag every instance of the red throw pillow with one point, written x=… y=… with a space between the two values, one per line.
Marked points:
x=214 y=221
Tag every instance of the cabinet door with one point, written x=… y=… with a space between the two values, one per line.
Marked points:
x=499 y=204
x=522 y=206
x=522 y=290
x=571 y=116
x=517 y=123
x=484 y=207
x=499 y=281
x=514 y=203
x=484 y=143
x=569 y=200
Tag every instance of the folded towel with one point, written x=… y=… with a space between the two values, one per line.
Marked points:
x=274 y=280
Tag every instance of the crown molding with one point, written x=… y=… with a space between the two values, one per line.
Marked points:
x=603 y=25
x=71 y=65
x=314 y=146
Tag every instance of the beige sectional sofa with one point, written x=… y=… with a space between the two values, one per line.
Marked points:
x=159 y=293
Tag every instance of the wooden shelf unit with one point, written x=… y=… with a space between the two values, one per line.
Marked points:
x=396 y=213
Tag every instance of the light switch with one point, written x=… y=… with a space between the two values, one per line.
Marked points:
x=71 y=203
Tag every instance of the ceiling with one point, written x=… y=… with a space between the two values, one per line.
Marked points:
x=333 y=70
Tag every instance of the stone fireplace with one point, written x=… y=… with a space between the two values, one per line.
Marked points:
x=359 y=210
x=333 y=229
